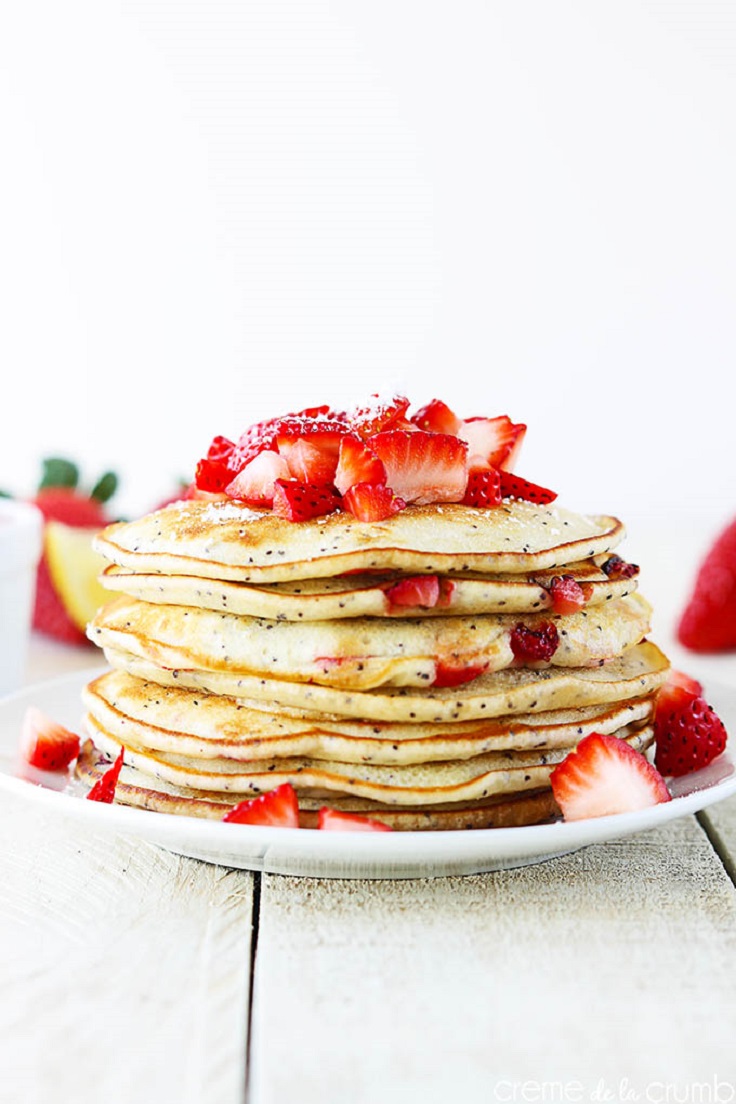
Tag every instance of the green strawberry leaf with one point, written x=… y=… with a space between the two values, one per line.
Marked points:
x=105 y=487
x=58 y=472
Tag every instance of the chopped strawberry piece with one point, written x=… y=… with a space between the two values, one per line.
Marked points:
x=297 y=501
x=277 y=808
x=604 y=776
x=372 y=502
x=216 y=469
x=330 y=820
x=311 y=447
x=616 y=568
x=484 y=488
x=455 y=674
x=688 y=731
x=377 y=416
x=416 y=590
x=534 y=645
x=254 y=484
x=492 y=442
x=104 y=788
x=357 y=464
x=708 y=622
x=436 y=417
x=423 y=467
x=513 y=486
x=46 y=744
x=566 y=593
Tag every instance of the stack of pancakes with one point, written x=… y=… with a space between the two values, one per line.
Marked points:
x=247 y=651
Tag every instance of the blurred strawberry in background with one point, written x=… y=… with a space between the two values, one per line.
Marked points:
x=708 y=622
x=67 y=588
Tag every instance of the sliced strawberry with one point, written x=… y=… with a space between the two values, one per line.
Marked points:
x=423 y=467
x=448 y=673
x=436 y=417
x=604 y=776
x=566 y=593
x=688 y=731
x=378 y=415
x=534 y=645
x=616 y=568
x=492 y=442
x=357 y=464
x=278 y=808
x=46 y=744
x=330 y=820
x=708 y=622
x=297 y=501
x=484 y=488
x=254 y=484
x=513 y=486
x=372 y=502
x=311 y=447
x=415 y=590
x=104 y=788
x=216 y=469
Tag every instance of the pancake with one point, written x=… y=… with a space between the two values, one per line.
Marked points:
x=360 y=653
x=364 y=595
x=136 y=789
x=641 y=670
x=493 y=773
x=225 y=540
x=207 y=726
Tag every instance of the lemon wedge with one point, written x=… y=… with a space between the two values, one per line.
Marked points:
x=75 y=567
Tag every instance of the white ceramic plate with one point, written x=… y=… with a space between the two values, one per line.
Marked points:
x=311 y=853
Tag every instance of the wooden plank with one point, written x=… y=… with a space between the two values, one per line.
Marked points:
x=719 y=822
x=124 y=970
x=610 y=970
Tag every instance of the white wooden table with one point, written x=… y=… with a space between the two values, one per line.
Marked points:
x=129 y=974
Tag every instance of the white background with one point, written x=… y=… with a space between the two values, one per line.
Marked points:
x=211 y=212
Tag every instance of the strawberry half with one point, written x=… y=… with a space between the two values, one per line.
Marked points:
x=688 y=731
x=357 y=464
x=46 y=744
x=278 y=808
x=513 y=486
x=708 y=623
x=422 y=467
x=104 y=788
x=372 y=502
x=297 y=501
x=330 y=820
x=604 y=776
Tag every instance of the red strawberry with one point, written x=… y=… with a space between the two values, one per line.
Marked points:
x=566 y=593
x=46 y=744
x=415 y=590
x=297 y=501
x=534 y=645
x=217 y=468
x=372 y=502
x=278 y=808
x=604 y=776
x=254 y=484
x=688 y=731
x=311 y=447
x=436 y=417
x=616 y=568
x=513 y=486
x=423 y=467
x=492 y=442
x=685 y=682
x=330 y=820
x=377 y=416
x=708 y=623
x=357 y=464
x=455 y=674
x=484 y=488
x=104 y=788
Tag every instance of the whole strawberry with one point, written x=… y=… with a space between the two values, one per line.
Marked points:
x=688 y=731
x=708 y=623
x=60 y=499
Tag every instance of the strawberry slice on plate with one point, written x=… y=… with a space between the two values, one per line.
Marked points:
x=104 y=788
x=688 y=731
x=46 y=744
x=423 y=467
x=604 y=776
x=278 y=808
x=331 y=820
